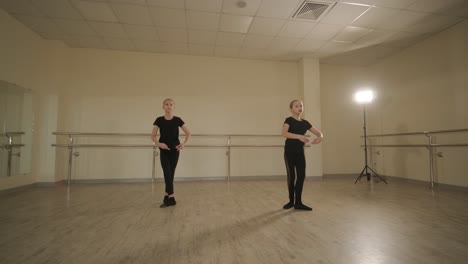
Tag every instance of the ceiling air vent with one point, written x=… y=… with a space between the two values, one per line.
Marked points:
x=312 y=10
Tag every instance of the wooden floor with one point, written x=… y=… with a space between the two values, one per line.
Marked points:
x=237 y=222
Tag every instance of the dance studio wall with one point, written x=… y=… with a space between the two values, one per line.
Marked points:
x=116 y=91
x=342 y=119
x=421 y=88
x=33 y=63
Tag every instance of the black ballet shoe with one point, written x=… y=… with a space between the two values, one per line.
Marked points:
x=170 y=202
x=301 y=206
x=288 y=205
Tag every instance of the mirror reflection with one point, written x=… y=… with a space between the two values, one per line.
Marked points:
x=16 y=120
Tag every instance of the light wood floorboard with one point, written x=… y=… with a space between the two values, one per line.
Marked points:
x=236 y=222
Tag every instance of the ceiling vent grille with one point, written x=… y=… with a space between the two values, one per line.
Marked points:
x=312 y=10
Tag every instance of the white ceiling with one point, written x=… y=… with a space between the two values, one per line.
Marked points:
x=354 y=32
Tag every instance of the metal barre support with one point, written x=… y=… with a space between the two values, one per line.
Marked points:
x=229 y=158
x=431 y=160
x=153 y=173
x=9 y=147
x=431 y=147
x=70 y=159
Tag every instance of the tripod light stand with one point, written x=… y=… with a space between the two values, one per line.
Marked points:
x=365 y=97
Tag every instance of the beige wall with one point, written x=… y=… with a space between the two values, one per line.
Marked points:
x=342 y=119
x=123 y=91
x=421 y=88
x=30 y=62
x=114 y=91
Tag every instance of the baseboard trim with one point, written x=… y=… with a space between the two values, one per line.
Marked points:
x=221 y=178
x=17 y=189
x=49 y=184
x=427 y=183
x=340 y=175
x=177 y=179
x=146 y=180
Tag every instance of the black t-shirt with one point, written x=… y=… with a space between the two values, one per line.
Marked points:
x=169 y=130
x=296 y=127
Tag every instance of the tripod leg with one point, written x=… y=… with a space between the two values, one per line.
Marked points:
x=377 y=175
x=360 y=175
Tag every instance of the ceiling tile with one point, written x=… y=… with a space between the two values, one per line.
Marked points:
x=266 y=26
x=85 y=42
x=57 y=9
x=282 y=43
x=175 y=48
x=201 y=50
x=132 y=14
x=231 y=7
x=204 y=5
x=351 y=34
x=52 y=36
x=457 y=9
x=166 y=17
x=119 y=44
x=227 y=51
x=253 y=53
x=167 y=3
x=296 y=29
x=133 y=2
x=401 y=20
x=434 y=6
x=433 y=24
x=21 y=7
x=274 y=53
x=375 y=16
x=362 y=2
x=40 y=24
x=309 y=45
x=202 y=37
x=111 y=30
x=332 y=47
x=257 y=41
x=361 y=57
x=324 y=31
x=173 y=35
x=147 y=45
x=403 y=39
x=96 y=11
x=229 y=39
x=141 y=32
x=231 y=23
x=75 y=27
x=401 y=4
x=344 y=14
x=374 y=37
x=202 y=20
x=278 y=8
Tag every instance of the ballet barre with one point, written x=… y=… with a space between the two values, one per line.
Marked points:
x=72 y=145
x=9 y=147
x=430 y=146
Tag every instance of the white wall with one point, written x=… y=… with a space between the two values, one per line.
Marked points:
x=342 y=118
x=36 y=64
x=113 y=91
x=422 y=88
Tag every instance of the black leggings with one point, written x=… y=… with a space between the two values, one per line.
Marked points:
x=295 y=162
x=169 y=159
